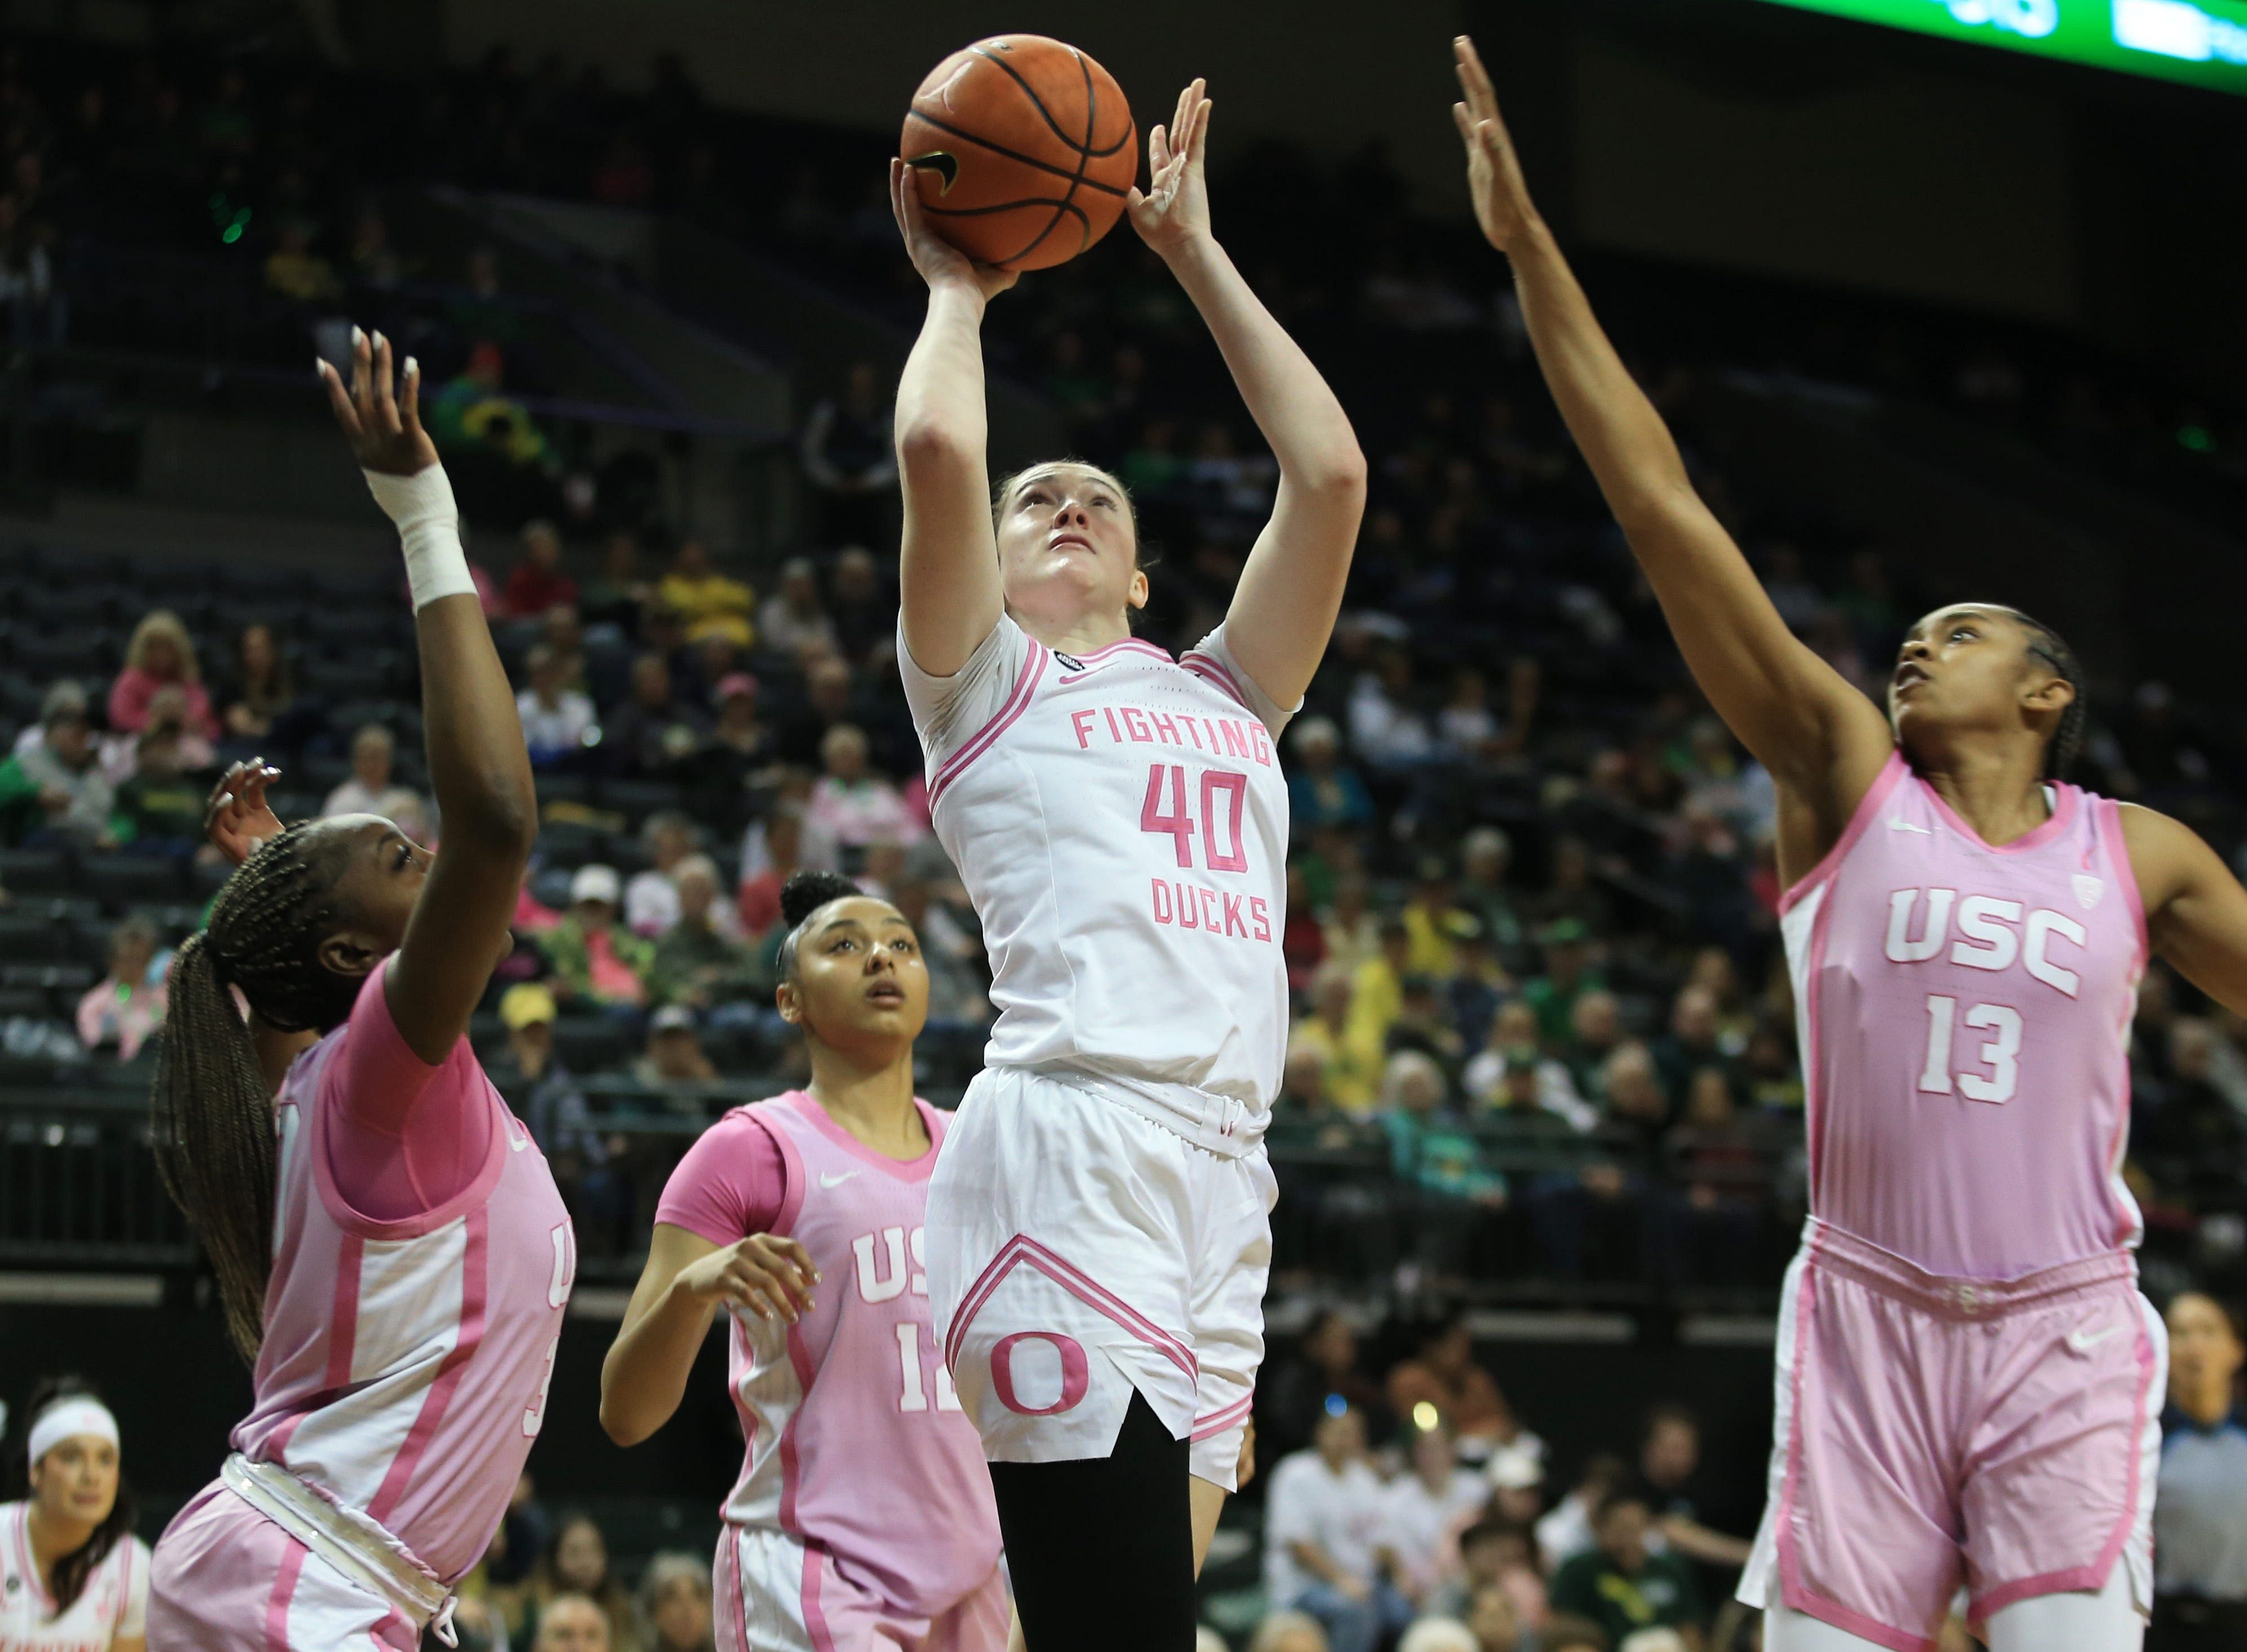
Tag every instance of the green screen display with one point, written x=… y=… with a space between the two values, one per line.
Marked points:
x=2202 y=42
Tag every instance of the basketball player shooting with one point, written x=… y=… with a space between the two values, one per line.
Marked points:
x=1968 y=1379
x=1097 y=1222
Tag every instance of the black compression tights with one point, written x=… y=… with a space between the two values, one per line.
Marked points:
x=1101 y=1551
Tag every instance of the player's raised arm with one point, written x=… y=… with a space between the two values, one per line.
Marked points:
x=2196 y=909
x=1817 y=734
x=479 y=767
x=1283 y=612
x=948 y=573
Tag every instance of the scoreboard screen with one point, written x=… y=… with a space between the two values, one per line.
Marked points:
x=2201 y=42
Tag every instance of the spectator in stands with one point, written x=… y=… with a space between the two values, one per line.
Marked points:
x=771 y=854
x=953 y=952
x=847 y=454
x=738 y=733
x=1568 y=975
x=1718 y=1216
x=1430 y=1149
x=828 y=693
x=1511 y=1075
x=1565 y=1531
x=1485 y=862
x=864 y=614
x=1287 y=1632
x=1595 y=1032
x=1378 y=987
x=651 y=897
x=596 y=959
x=294 y=270
x=556 y=717
x=1322 y=1533
x=673 y=1062
x=576 y=1564
x=1321 y=789
x=1429 y=916
x=159 y=656
x=1607 y=1202
x=1577 y=1635
x=53 y=791
x=852 y=807
x=160 y=806
x=1438 y=1635
x=123 y=1010
x=473 y=412
x=1446 y=1375
x=1495 y=1556
x=1424 y=1510
x=2188 y=1136
x=654 y=730
x=1349 y=926
x=371 y=789
x=168 y=711
x=696 y=962
x=2200 y=1511
x=792 y=623
x=707 y=601
x=1623 y=1585
x=1669 y=1459
x=614 y=596
x=264 y=687
x=1292 y=1399
x=532 y=1078
x=572 y=1622
x=674 y=1603
x=1692 y=1043
x=537 y=582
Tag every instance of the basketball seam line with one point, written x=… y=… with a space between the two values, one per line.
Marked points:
x=1083 y=160
x=1053 y=126
x=1060 y=203
x=1011 y=155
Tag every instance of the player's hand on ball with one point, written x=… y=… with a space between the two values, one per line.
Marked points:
x=937 y=259
x=1174 y=210
x=770 y=1277
x=238 y=818
x=382 y=423
x=1502 y=197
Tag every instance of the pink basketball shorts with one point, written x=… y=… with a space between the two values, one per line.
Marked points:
x=228 y=1580
x=1931 y=1430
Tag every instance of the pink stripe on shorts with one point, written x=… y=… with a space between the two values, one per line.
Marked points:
x=228 y=1580
x=1933 y=1428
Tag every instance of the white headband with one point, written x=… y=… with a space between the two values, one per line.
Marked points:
x=67 y=1419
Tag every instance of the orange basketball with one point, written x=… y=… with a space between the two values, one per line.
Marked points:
x=1023 y=150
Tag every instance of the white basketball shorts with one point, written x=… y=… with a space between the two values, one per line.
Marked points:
x=1078 y=1250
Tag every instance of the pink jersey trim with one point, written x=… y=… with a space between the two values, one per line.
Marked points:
x=1137 y=645
x=1876 y=795
x=814 y=1614
x=20 y=1533
x=799 y=1351
x=1813 y=1081
x=2052 y=825
x=474 y=1282
x=804 y=1106
x=2109 y=817
x=1026 y=687
x=284 y=1590
x=1208 y=667
x=1218 y=1421
x=342 y=1329
x=2093 y=1576
x=468 y=1198
x=1023 y=1249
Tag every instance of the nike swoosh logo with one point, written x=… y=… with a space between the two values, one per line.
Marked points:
x=837 y=1181
x=2083 y=1344
x=1906 y=826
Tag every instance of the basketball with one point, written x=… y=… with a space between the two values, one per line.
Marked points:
x=1023 y=150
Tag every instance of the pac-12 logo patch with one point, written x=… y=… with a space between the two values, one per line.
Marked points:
x=1069 y=662
x=2089 y=888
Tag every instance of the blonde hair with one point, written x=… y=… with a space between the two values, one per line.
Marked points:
x=162 y=621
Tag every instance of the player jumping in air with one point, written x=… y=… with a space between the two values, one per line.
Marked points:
x=389 y=1243
x=1097 y=1230
x=862 y=1520
x=1968 y=1382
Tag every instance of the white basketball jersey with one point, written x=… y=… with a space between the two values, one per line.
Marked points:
x=114 y=1603
x=1120 y=821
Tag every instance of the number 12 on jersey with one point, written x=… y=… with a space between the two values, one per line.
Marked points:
x=1224 y=792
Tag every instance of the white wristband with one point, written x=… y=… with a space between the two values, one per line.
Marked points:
x=429 y=530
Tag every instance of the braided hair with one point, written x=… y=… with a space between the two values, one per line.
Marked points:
x=802 y=895
x=72 y=1570
x=2066 y=741
x=213 y=1111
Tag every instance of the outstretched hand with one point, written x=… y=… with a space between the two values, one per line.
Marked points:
x=1501 y=196
x=382 y=424
x=238 y=818
x=937 y=259
x=1174 y=210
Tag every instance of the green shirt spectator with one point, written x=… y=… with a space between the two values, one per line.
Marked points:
x=1427 y=1147
x=595 y=959
x=55 y=788
x=693 y=964
x=1622 y=1587
x=159 y=803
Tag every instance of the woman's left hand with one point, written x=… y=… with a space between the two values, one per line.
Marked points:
x=238 y=818
x=383 y=426
x=1174 y=211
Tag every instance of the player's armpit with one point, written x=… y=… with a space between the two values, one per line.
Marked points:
x=2196 y=909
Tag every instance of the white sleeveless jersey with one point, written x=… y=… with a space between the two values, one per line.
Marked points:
x=1120 y=821
x=114 y=1604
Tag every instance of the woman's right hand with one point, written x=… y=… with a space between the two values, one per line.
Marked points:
x=238 y=818
x=940 y=264
x=382 y=425
x=769 y=1276
x=1501 y=195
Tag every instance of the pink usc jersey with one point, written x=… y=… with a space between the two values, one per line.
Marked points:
x=1964 y=1016
x=404 y=1363
x=857 y=1443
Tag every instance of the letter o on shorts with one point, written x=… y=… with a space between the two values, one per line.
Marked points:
x=1076 y=1376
